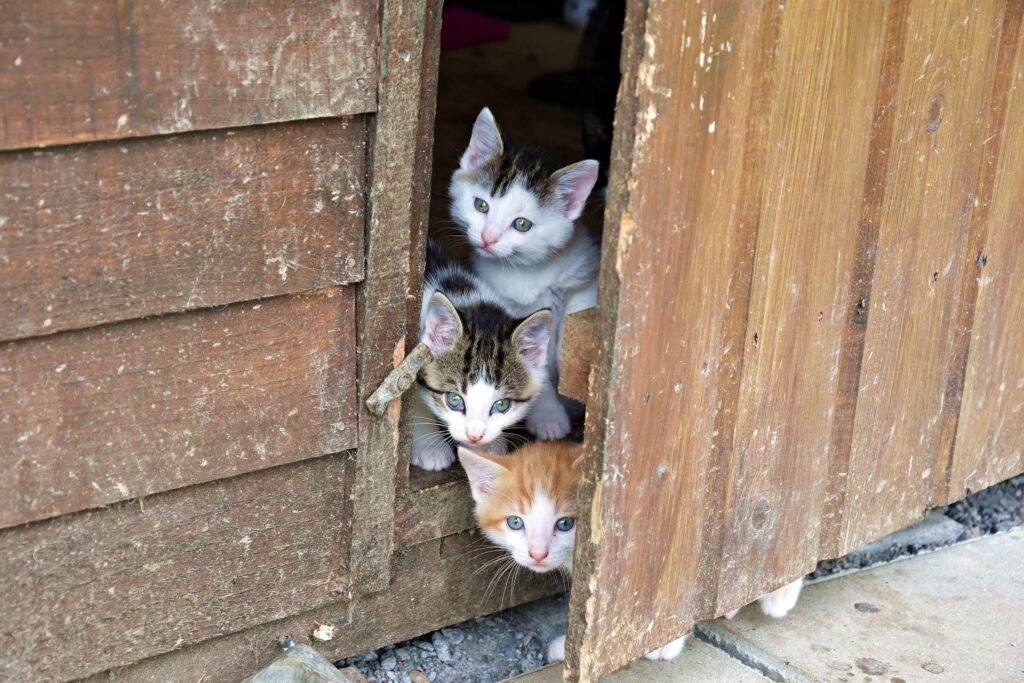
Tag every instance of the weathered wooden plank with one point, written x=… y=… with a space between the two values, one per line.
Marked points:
x=817 y=153
x=990 y=433
x=852 y=347
x=435 y=584
x=109 y=587
x=387 y=306
x=678 y=252
x=127 y=410
x=434 y=512
x=83 y=70
x=942 y=105
x=112 y=231
x=576 y=354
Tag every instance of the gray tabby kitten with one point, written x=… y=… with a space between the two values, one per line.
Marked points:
x=487 y=370
x=519 y=216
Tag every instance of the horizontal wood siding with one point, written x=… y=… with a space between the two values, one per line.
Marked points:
x=111 y=231
x=436 y=583
x=120 y=411
x=99 y=589
x=79 y=70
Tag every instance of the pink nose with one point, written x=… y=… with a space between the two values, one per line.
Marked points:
x=474 y=438
x=487 y=243
x=539 y=555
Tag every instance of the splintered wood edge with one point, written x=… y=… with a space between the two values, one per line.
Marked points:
x=399 y=379
x=576 y=353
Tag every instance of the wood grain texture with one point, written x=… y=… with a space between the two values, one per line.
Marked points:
x=99 y=589
x=990 y=433
x=112 y=231
x=817 y=152
x=82 y=70
x=399 y=191
x=434 y=512
x=881 y=141
x=785 y=282
x=127 y=410
x=576 y=354
x=435 y=584
x=665 y=340
x=942 y=105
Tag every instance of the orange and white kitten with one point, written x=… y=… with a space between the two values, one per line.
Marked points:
x=526 y=504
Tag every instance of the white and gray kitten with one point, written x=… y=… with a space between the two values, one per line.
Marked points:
x=519 y=217
x=487 y=370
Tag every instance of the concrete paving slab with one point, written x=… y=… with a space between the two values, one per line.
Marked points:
x=699 y=663
x=955 y=615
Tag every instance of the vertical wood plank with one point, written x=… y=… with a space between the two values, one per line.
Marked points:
x=678 y=242
x=989 y=443
x=852 y=345
x=942 y=108
x=817 y=153
x=399 y=190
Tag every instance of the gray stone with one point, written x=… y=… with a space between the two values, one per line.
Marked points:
x=388 y=663
x=454 y=635
x=299 y=664
x=441 y=647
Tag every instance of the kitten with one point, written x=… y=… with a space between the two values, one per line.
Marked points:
x=526 y=504
x=520 y=219
x=487 y=369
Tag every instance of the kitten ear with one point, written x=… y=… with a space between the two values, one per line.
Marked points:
x=442 y=326
x=483 y=144
x=483 y=473
x=531 y=338
x=573 y=185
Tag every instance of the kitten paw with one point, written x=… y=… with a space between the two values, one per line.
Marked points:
x=778 y=603
x=433 y=457
x=556 y=650
x=548 y=423
x=668 y=652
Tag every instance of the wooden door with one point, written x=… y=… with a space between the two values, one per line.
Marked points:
x=810 y=324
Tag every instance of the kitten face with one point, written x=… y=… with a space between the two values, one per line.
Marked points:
x=526 y=502
x=487 y=367
x=509 y=203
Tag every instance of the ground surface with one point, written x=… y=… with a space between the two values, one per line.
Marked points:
x=489 y=649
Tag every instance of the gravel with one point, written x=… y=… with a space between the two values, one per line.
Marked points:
x=491 y=648
x=997 y=508
x=481 y=650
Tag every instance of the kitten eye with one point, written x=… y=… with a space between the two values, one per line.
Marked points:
x=501 y=405
x=480 y=205
x=454 y=401
x=515 y=523
x=565 y=523
x=522 y=224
